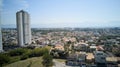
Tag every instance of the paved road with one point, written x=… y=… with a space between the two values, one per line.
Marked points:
x=59 y=64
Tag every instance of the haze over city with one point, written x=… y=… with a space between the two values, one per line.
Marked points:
x=59 y=33
x=63 y=13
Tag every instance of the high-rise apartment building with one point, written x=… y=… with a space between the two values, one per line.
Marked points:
x=23 y=28
x=1 y=46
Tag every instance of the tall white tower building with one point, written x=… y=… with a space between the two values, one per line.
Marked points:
x=1 y=46
x=23 y=28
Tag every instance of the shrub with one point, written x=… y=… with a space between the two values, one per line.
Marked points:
x=44 y=51
x=35 y=53
x=4 y=59
x=17 y=52
x=47 y=60
x=38 y=52
x=24 y=56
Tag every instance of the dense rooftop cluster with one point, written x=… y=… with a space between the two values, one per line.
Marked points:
x=79 y=46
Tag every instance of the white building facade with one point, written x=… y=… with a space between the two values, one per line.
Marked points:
x=23 y=28
x=1 y=46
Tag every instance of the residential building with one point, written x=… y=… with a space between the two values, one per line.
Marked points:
x=1 y=46
x=23 y=28
x=100 y=58
x=76 y=60
x=111 y=61
x=90 y=57
x=59 y=47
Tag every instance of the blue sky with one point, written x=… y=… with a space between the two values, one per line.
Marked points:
x=64 y=13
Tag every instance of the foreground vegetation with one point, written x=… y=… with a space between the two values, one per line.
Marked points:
x=25 y=53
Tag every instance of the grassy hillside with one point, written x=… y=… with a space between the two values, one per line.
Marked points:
x=31 y=62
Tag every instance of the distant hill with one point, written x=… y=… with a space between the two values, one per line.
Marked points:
x=46 y=26
x=9 y=26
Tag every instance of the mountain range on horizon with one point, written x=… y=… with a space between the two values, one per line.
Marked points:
x=43 y=26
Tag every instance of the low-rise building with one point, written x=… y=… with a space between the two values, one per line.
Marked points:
x=90 y=57
x=76 y=60
x=59 y=47
x=92 y=48
x=100 y=58
x=111 y=61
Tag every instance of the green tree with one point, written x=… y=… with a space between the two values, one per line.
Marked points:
x=47 y=60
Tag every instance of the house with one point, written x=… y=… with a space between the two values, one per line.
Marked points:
x=90 y=57
x=59 y=47
x=81 y=46
x=92 y=48
x=99 y=48
x=76 y=60
x=118 y=60
x=100 y=58
x=111 y=61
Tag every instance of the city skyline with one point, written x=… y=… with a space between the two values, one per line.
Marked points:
x=64 y=13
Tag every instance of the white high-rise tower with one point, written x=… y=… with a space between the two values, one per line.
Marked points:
x=23 y=28
x=1 y=46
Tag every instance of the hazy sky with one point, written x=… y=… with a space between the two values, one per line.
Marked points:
x=64 y=13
